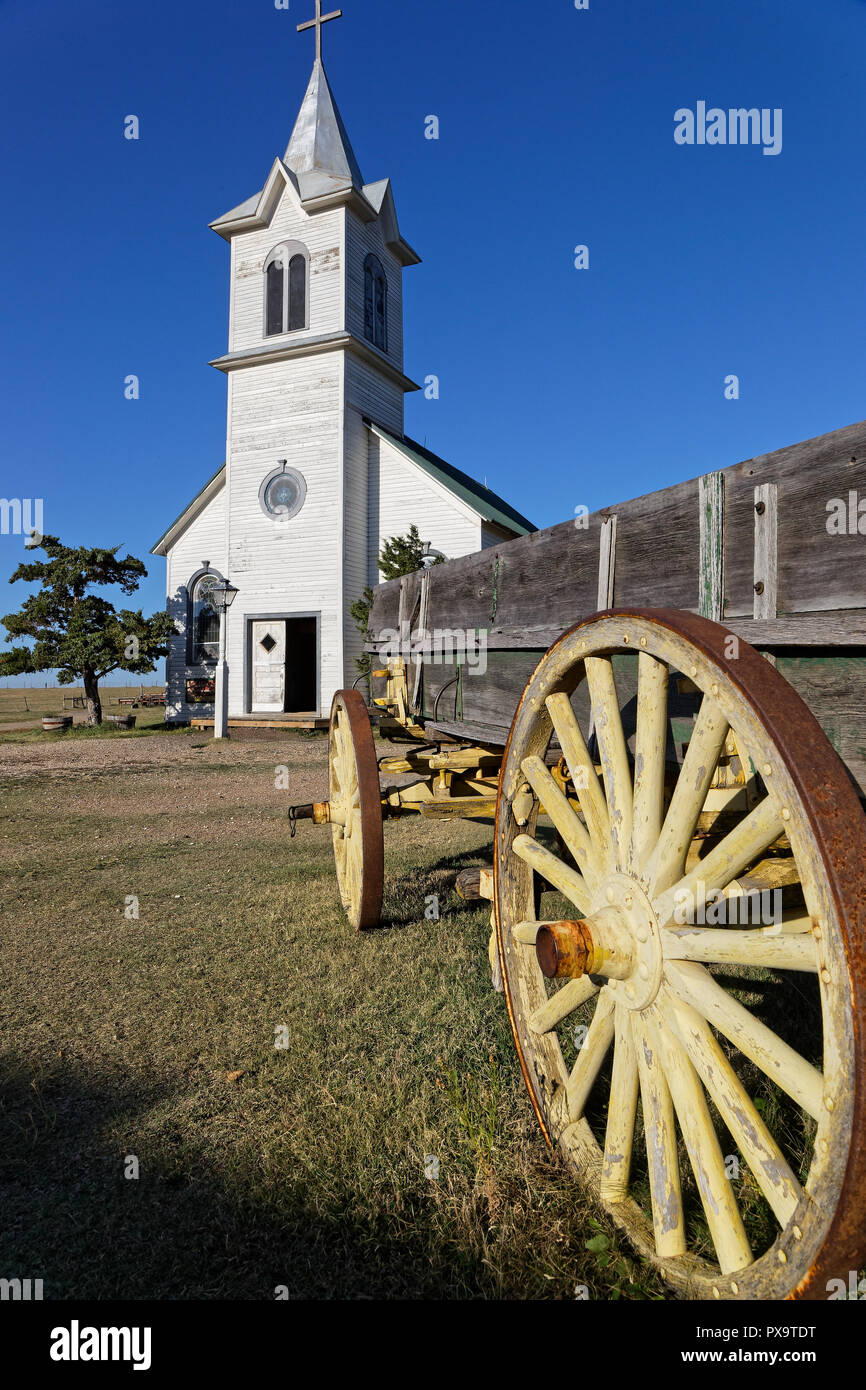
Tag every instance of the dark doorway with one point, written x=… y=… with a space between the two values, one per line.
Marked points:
x=302 y=666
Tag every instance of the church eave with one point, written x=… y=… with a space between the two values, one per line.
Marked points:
x=405 y=254
x=339 y=197
x=347 y=196
x=324 y=342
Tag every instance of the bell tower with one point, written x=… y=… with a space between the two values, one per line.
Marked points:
x=315 y=350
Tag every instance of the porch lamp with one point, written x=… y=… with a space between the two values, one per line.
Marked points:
x=221 y=598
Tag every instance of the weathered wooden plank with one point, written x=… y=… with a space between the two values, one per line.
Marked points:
x=843 y=628
x=494 y=734
x=829 y=628
x=766 y=563
x=711 y=494
x=656 y=550
x=566 y=557
x=606 y=564
x=423 y=619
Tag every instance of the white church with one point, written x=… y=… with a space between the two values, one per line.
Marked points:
x=318 y=471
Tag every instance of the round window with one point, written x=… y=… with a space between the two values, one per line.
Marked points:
x=282 y=494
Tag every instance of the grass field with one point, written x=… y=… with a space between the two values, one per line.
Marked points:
x=151 y=1040
x=18 y=705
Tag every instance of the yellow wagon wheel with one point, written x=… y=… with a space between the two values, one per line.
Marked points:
x=356 y=810
x=722 y=1127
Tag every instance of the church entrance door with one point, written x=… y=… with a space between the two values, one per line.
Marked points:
x=269 y=666
x=302 y=666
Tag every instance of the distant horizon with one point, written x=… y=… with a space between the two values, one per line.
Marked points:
x=25 y=683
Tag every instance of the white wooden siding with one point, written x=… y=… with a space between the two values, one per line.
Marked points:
x=401 y=493
x=371 y=393
x=355 y=542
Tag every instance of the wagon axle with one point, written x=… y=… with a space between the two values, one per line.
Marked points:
x=595 y=946
x=618 y=943
x=319 y=812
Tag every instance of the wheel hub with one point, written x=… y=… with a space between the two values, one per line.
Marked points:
x=619 y=942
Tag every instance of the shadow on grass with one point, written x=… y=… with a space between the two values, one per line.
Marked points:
x=198 y=1223
x=405 y=894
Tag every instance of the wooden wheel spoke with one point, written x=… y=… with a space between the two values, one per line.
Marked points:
x=649 y=758
x=621 y=1114
x=556 y=804
x=561 y=876
x=702 y=1144
x=754 y=834
x=591 y=1056
x=667 y=861
x=583 y=774
x=661 y=1147
x=797 y=1077
x=757 y=1145
x=570 y=997
x=616 y=770
x=765 y=946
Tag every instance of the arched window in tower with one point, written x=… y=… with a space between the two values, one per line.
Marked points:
x=286 y=272
x=274 y=278
x=375 y=303
x=203 y=624
x=297 y=293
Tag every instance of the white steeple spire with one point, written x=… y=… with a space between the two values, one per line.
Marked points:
x=319 y=143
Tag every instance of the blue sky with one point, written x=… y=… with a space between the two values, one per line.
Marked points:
x=560 y=387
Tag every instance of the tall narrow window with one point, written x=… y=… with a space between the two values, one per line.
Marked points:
x=286 y=272
x=375 y=303
x=297 y=293
x=204 y=623
x=274 y=277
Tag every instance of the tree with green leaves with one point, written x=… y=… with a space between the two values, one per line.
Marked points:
x=76 y=633
x=399 y=555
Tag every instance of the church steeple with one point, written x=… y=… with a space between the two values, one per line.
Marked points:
x=319 y=145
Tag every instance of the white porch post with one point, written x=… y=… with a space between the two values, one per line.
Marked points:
x=222 y=596
x=221 y=703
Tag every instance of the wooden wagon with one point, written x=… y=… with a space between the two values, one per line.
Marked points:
x=663 y=705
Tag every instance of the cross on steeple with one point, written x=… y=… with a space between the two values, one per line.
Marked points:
x=317 y=25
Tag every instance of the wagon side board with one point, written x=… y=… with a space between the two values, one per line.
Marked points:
x=772 y=547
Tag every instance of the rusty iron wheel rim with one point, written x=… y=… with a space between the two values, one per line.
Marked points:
x=825 y=1239
x=355 y=797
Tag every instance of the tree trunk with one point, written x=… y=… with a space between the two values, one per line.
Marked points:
x=91 y=696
